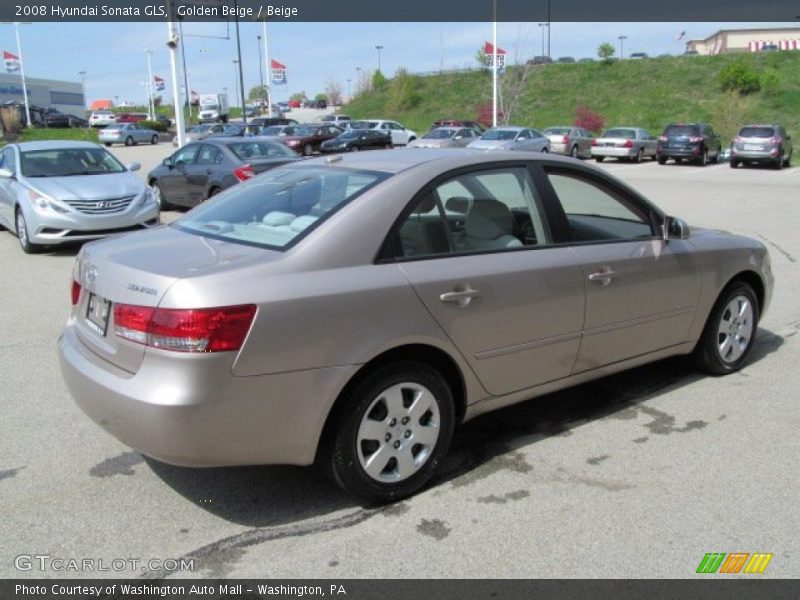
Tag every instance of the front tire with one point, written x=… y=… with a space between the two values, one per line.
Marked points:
x=730 y=331
x=574 y=152
x=390 y=432
x=129 y=141
x=25 y=243
x=308 y=150
x=599 y=158
x=154 y=140
x=107 y=144
x=662 y=160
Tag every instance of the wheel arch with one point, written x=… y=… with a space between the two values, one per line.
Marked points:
x=754 y=280
x=437 y=358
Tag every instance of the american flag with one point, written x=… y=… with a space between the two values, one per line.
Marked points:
x=680 y=35
x=12 y=62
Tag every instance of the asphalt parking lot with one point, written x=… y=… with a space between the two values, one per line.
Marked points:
x=636 y=475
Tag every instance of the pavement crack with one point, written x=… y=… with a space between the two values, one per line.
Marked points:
x=788 y=256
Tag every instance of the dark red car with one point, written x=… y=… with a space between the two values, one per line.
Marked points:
x=307 y=138
x=131 y=117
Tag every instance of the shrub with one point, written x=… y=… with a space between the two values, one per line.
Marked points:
x=739 y=77
x=771 y=82
x=605 y=51
x=402 y=92
x=589 y=120
x=157 y=125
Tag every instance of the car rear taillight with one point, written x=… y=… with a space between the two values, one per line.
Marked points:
x=185 y=330
x=594 y=142
x=244 y=172
x=737 y=140
x=662 y=138
x=75 y=292
x=628 y=144
x=695 y=138
x=565 y=139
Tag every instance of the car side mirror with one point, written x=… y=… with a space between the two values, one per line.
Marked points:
x=134 y=166
x=675 y=229
x=6 y=173
x=167 y=162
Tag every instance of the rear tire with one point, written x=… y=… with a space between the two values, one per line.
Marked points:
x=662 y=160
x=308 y=150
x=213 y=192
x=354 y=148
x=389 y=432
x=734 y=163
x=639 y=155
x=574 y=152
x=730 y=331
x=162 y=201
x=154 y=140
x=107 y=144
x=599 y=158
x=788 y=161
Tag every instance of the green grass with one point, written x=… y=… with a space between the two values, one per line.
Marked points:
x=646 y=93
x=33 y=135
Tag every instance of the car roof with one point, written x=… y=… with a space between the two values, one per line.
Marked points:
x=55 y=145
x=397 y=161
x=511 y=127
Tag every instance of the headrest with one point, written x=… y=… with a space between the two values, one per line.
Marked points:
x=458 y=204
x=489 y=220
x=276 y=218
x=427 y=204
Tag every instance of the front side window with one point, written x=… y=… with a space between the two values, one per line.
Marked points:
x=480 y=211
x=596 y=213
x=276 y=209
x=186 y=154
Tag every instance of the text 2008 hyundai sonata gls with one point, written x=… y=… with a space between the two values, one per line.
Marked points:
x=354 y=310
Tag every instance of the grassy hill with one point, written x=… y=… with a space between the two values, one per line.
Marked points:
x=647 y=93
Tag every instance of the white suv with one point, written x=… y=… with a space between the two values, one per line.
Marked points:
x=101 y=118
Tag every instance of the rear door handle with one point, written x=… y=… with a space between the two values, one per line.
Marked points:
x=461 y=298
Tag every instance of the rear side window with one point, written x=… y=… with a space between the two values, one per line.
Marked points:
x=757 y=132
x=250 y=150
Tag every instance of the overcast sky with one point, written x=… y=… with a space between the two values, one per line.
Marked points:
x=113 y=54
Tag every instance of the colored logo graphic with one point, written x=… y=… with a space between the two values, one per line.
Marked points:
x=734 y=562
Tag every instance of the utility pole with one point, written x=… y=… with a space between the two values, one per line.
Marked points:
x=187 y=92
x=261 y=70
x=621 y=39
x=268 y=67
x=494 y=65
x=22 y=74
x=172 y=44
x=379 y=48
x=149 y=87
x=239 y=54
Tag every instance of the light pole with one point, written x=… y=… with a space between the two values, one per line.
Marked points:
x=187 y=93
x=349 y=93
x=236 y=77
x=268 y=67
x=150 y=103
x=379 y=48
x=22 y=73
x=621 y=38
x=172 y=43
x=83 y=87
x=261 y=70
x=548 y=27
x=543 y=26
x=239 y=61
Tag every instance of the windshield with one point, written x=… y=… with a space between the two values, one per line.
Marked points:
x=757 y=132
x=301 y=130
x=349 y=135
x=439 y=134
x=255 y=150
x=278 y=208
x=363 y=124
x=557 y=131
x=274 y=130
x=65 y=162
x=626 y=134
x=209 y=107
x=232 y=129
x=500 y=134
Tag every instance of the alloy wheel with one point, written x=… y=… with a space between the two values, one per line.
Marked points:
x=735 y=330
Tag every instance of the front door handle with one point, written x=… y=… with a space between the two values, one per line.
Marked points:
x=460 y=298
x=604 y=277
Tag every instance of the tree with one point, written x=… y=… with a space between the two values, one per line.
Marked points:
x=606 y=51
x=402 y=92
x=333 y=89
x=378 y=81
x=482 y=58
x=589 y=120
x=740 y=77
x=257 y=92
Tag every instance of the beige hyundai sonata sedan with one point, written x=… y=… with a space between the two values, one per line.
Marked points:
x=354 y=310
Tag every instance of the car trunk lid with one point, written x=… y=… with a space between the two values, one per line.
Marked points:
x=138 y=270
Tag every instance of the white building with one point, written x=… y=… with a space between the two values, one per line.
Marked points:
x=746 y=40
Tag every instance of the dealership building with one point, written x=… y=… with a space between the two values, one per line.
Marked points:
x=746 y=40
x=64 y=96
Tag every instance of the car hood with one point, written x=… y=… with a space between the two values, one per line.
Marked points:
x=492 y=144
x=88 y=187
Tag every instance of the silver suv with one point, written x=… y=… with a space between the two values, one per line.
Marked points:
x=769 y=144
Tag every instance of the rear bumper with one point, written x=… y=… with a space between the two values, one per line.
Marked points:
x=190 y=410
x=755 y=155
x=683 y=152
x=613 y=152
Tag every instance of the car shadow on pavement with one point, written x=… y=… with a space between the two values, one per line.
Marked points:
x=268 y=496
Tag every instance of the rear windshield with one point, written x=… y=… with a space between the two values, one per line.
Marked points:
x=757 y=132
x=278 y=208
x=626 y=134
x=681 y=130
x=251 y=150
x=273 y=130
x=67 y=162
x=363 y=124
x=500 y=134
x=440 y=134
x=300 y=130
x=557 y=131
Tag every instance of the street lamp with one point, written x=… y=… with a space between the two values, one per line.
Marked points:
x=379 y=48
x=150 y=102
x=236 y=77
x=621 y=38
x=349 y=93
x=83 y=86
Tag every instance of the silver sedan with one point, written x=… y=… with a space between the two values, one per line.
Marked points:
x=128 y=134
x=446 y=137
x=570 y=140
x=512 y=138
x=57 y=192
x=354 y=311
x=625 y=143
